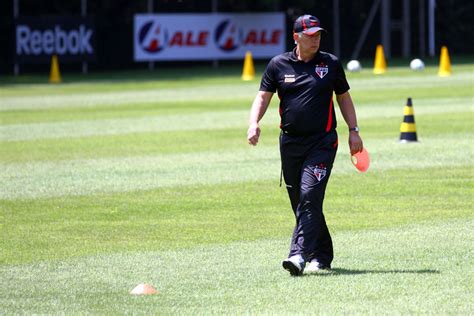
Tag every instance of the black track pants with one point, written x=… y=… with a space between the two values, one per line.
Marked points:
x=307 y=162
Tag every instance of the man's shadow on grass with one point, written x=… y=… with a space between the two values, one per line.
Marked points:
x=342 y=271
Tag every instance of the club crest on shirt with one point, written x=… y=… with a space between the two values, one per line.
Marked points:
x=320 y=171
x=322 y=70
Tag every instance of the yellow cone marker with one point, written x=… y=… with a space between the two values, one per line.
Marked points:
x=380 y=65
x=248 y=72
x=444 y=63
x=408 y=127
x=54 y=74
x=143 y=289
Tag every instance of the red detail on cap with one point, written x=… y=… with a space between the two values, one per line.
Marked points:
x=328 y=127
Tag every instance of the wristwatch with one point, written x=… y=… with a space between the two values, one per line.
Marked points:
x=354 y=129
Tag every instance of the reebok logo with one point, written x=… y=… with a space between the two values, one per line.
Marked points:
x=36 y=42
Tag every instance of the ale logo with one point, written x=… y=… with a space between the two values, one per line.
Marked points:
x=152 y=37
x=227 y=36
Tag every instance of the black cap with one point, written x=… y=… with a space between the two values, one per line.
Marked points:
x=307 y=24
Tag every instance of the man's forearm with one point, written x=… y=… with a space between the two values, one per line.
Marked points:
x=347 y=109
x=259 y=106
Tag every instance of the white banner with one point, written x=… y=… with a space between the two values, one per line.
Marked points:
x=208 y=36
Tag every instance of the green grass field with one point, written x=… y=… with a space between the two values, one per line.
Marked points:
x=112 y=180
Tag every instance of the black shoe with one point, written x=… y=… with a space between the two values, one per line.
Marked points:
x=294 y=266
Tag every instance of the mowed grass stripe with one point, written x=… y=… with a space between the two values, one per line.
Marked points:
x=56 y=98
x=417 y=270
x=78 y=177
x=139 y=80
x=459 y=94
x=207 y=120
x=118 y=174
x=203 y=121
x=128 y=145
x=93 y=99
x=170 y=218
x=422 y=81
x=125 y=111
x=365 y=108
x=437 y=126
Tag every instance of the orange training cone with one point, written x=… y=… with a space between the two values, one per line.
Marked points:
x=380 y=66
x=444 y=63
x=248 y=72
x=54 y=74
x=408 y=127
x=143 y=289
x=361 y=160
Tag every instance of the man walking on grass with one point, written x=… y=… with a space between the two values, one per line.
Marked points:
x=305 y=80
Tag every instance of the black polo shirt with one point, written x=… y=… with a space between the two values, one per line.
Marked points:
x=305 y=91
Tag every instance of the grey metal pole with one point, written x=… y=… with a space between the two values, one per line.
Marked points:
x=406 y=29
x=85 y=65
x=336 y=29
x=431 y=27
x=151 y=64
x=385 y=24
x=422 y=21
x=365 y=29
x=215 y=8
x=16 y=13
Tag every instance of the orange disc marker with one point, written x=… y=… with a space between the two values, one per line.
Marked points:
x=143 y=289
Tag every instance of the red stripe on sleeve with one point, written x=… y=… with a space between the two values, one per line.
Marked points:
x=328 y=127
x=280 y=111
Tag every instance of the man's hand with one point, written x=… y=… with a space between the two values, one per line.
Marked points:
x=253 y=134
x=355 y=143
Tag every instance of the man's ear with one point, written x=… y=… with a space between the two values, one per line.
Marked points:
x=295 y=37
